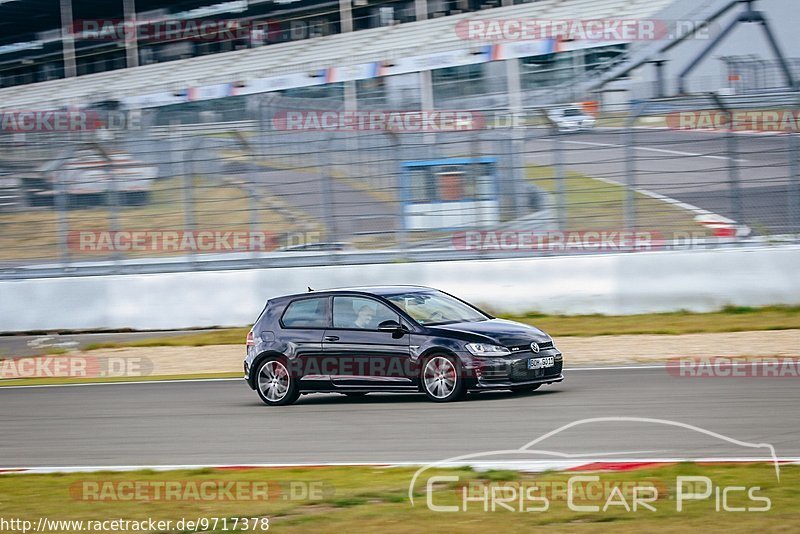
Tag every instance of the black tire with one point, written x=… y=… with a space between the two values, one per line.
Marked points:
x=283 y=388
x=526 y=389
x=447 y=372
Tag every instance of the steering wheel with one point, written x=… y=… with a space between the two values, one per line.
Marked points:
x=435 y=315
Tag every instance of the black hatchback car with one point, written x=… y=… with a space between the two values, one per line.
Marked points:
x=393 y=339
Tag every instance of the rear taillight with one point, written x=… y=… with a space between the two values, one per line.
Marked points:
x=250 y=340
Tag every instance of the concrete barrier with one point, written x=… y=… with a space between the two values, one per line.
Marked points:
x=695 y=280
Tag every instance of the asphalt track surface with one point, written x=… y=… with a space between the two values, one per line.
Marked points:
x=692 y=167
x=224 y=422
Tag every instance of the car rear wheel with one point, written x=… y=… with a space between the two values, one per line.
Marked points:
x=441 y=380
x=274 y=383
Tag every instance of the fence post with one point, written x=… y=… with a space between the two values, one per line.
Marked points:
x=252 y=195
x=61 y=213
x=794 y=184
x=187 y=183
x=733 y=174
x=733 y=166
x=561 y=190
x=629 y=208
x=630 y=180
x=402 y=234
x=326 y=186
x=518 y=169
x=113 y=215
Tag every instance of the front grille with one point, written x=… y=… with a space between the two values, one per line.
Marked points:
x=545 y=345
x=521 y=373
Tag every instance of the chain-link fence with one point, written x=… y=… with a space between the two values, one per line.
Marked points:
x=749 y=74
x=300 y=180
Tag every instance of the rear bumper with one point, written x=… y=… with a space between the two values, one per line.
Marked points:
x=247 y=375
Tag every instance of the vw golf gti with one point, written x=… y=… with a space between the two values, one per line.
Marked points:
x=392 y=339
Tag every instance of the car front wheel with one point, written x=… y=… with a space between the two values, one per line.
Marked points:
x=441 y=379
x=274 y=383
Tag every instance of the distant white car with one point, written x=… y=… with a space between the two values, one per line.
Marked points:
x=571 y=119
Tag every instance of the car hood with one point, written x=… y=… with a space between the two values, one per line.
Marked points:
x=495 y=331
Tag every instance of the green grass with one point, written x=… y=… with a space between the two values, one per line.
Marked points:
x=222 y=336
x=363 y=499
x=737 y=319
x=593 y=204
x=218 y=205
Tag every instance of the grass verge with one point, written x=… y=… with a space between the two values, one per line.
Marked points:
x=366 y=499
x=218 y=205
x=592 y=204
x=732 y=319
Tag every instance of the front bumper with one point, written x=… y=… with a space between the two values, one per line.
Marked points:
x=505 y=373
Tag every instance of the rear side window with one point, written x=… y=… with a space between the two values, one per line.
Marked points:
x=306 y=313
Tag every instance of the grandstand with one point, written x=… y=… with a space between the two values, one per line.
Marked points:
x=381 y=45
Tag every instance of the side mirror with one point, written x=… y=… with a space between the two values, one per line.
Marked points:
x=392 y=326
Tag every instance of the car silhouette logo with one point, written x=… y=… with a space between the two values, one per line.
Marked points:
x=535 y=347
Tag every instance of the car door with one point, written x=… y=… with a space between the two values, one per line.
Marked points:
x=304 y=321
x=367 y=357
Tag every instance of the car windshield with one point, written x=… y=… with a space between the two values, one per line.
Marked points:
x=434 y=308
x=572 y=112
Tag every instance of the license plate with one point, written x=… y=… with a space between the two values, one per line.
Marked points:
x=541 y=363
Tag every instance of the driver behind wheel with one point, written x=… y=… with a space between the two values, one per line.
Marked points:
x=365 y=317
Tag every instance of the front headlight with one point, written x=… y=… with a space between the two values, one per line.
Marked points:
x=482 y=349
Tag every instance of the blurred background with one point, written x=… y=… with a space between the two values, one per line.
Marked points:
x=358 y=132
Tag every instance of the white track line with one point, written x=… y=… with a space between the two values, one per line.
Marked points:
x=618 y=368
x=122 y=383
x=642 y=367
x=743 y=133
x=658 y=196
x=520 y=465
x=661 y=150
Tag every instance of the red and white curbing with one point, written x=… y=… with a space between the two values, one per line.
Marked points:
x=527 y=466
x=722 y=226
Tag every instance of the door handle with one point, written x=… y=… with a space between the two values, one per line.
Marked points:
x=331 y=338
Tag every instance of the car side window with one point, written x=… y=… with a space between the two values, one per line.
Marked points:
x=306 y=313
x=361 y=313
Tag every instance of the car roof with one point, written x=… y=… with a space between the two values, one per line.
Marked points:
x=366 y=290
